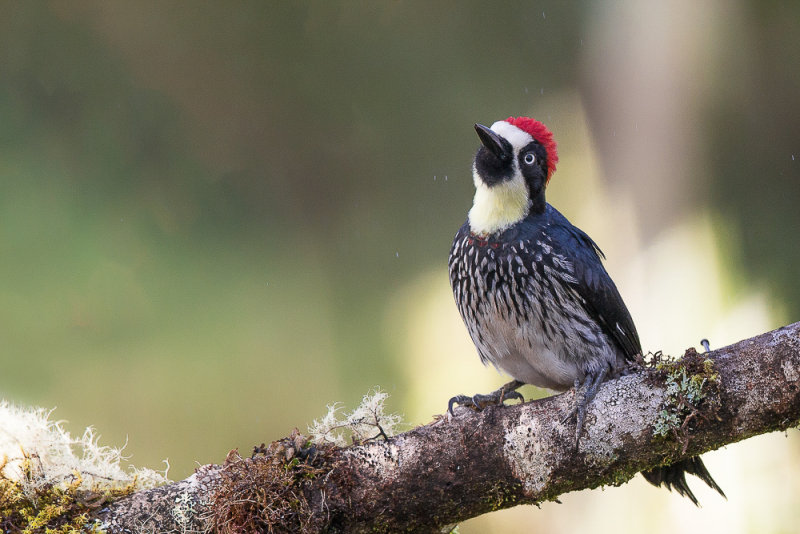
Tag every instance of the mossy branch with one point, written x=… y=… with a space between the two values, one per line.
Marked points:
x=436 y=475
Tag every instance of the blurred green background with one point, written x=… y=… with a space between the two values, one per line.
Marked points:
x=217 y=218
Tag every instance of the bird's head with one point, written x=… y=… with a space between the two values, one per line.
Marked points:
x=512 y=167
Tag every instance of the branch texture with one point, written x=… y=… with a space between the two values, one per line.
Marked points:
x=454 y=468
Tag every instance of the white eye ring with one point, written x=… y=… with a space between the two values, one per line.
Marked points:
x=529 y=158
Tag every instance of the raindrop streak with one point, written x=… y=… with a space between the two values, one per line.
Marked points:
x=397 y=254
x=543 y=15
x=792 y=157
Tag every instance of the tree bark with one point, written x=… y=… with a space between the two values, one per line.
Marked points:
x=455 y=468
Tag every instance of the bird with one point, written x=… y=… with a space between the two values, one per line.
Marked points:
x=532 y=289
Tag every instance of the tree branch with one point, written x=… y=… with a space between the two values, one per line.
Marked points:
x=455 y=468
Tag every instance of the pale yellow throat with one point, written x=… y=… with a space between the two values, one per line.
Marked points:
x=496 y=208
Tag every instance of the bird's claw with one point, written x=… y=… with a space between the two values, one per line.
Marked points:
x=459 y=400
x=480 y=401
x=577 y=412
x=584 y=393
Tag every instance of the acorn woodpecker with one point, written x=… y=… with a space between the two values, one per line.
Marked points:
x=532 y=289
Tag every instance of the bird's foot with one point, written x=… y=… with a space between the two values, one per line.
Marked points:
x=584 y=393
x=495 y=398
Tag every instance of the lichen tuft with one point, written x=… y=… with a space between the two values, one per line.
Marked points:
x=691 y=394
x=368 y=421
x=51 y=482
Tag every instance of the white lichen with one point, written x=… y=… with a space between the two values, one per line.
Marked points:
x=535 y=444
x=619 y=412
x=526 y=449
x=38 y=453
x=789 y=371
x=381 y=458
x=184 y=510
x=368 y=421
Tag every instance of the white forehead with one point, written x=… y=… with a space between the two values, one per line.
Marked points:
x=518 y=138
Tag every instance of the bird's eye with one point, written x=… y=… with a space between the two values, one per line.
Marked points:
x=529 y=158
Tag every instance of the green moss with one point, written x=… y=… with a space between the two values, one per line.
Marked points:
x=621 y=477
x=691 y=385
x=503 y=496
x=50 y=508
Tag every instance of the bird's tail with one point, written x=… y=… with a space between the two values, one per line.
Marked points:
x=674 y=477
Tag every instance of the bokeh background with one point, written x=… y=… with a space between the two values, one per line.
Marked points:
x=218 y=218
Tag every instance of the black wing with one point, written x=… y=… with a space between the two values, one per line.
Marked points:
x=594 y=286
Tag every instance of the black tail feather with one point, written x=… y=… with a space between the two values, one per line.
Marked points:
x=674 y=477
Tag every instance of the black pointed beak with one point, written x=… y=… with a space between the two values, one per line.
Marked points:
x=494 y=143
